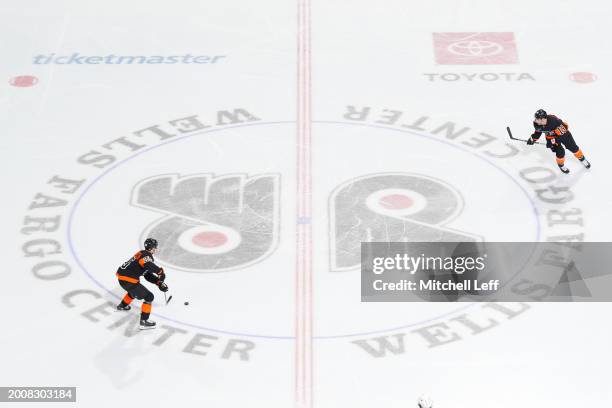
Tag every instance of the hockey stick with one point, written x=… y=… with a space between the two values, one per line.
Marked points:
x=168 y=299
x=514 y=138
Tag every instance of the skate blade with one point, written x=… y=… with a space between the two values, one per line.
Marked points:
x=146 y=328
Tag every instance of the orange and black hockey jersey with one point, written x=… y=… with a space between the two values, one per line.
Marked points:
x=553 y=128
x=142 y=263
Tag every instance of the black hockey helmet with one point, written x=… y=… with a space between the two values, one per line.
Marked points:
x=150 y=243
x=540 y=114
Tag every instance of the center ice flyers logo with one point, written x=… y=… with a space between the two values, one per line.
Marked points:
x=391 y=207
x=211 y=223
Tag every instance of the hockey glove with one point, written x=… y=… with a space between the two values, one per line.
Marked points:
x=162 y=286
x=530 y=141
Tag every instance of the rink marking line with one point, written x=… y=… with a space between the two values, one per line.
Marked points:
x=303 y=278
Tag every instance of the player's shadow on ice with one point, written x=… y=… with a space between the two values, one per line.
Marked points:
x=577 y=170
x=121 y=360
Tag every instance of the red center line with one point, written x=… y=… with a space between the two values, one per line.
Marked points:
x=303 y=279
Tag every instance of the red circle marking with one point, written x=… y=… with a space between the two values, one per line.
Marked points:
x=583 y=77
x=396 y=202
x=209 y=239
x=23 y=81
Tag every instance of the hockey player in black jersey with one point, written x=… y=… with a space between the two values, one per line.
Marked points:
x=141 y=264
x=558 y=136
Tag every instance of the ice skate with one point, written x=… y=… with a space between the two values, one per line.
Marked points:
x=146 y=325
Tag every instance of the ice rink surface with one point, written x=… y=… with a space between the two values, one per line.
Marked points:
x=260 y=142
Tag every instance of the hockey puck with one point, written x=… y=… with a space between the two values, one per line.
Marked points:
x=186 y=303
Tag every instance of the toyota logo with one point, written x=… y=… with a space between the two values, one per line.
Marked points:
x=478 y=48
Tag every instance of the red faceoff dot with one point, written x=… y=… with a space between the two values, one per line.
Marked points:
x=209 y=239
x=23 y=81
x=583 y=77
x=396 y=202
